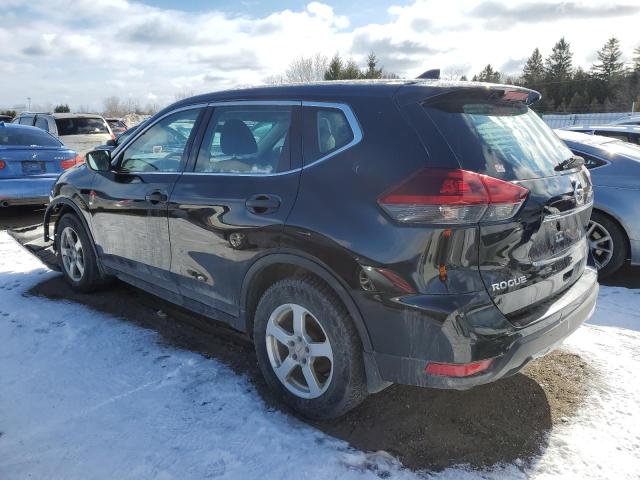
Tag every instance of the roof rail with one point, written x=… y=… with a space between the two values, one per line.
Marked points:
x=433 y=74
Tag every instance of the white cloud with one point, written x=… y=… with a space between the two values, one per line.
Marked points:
x=98 y=48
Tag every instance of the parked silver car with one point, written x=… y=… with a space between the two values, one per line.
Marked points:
x=78 y=131
x=626 y=133
x=630 y=120
x=614 y=229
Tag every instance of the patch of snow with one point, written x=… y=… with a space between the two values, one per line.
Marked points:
x=84 y=395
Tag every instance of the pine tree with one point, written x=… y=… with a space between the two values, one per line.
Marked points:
x=334 y=72
x=533 y=71
x=488 y=74
x=636 y=59
x=62 y=109
x=609 y=64
x=351 y=71
x=372 y=67
x=558 y=68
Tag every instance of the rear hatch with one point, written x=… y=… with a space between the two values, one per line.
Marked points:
x=528 y=258
x=83 y=134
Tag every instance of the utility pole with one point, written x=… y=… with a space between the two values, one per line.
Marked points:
x=29 y=102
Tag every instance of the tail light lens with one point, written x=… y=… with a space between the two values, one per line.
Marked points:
x=72 y=162
x=113 y=136
x=452 y=196
x=2 y=164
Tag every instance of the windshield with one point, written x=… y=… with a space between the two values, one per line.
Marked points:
x=81 y=126
x=503 y=139
x=27 y=138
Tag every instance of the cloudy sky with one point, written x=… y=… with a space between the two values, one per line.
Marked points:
x=81 y=51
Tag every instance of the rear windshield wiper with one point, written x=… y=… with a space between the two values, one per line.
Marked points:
x=571 y=162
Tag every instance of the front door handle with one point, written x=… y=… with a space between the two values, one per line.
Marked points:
x=263 y=203
x=156 y=197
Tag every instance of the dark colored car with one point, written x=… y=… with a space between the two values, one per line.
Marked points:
x=30 y=161
x=117 y=125
x=418 y=232
x=614 y=229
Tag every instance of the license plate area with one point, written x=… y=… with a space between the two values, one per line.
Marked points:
x=33 y=167
x=556 y=235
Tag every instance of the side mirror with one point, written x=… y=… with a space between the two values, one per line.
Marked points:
x=111 y=143
x=99 y=160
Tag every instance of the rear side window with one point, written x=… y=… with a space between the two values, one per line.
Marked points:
x=81 y=126
x=326 y=130
x=42 y=123
x=26 y=120
x=496 y=137
x=589 y=160
x=248 y=139
x=27 y=138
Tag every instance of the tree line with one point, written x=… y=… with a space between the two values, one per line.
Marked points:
x=609 y=85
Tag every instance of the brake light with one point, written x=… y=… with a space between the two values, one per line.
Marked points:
x=2 y=164
x=457 y=369
x=72 y=162
x=452 y=196
x=113 y=136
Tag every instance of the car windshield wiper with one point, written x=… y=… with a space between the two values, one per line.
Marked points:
x=571 y=162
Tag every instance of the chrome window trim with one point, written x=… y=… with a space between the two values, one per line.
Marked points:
x=351 y=119
x=343 y=107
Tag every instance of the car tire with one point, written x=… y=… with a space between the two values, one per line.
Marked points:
x=600 y=226
x=76 y=257
x=339 y=382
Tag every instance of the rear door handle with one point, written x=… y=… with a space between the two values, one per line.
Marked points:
x=263 y=203
x=156 y=197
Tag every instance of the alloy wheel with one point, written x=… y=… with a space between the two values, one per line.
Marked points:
x=72 y=254
x=600 y=243
x=299 y=351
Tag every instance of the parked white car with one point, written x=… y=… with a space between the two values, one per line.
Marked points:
x=78 y=131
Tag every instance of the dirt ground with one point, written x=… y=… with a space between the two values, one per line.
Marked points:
x=424 y=428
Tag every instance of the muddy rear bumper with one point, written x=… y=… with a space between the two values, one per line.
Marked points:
x=516 y=348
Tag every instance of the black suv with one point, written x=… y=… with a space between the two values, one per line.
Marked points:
x=362 y=233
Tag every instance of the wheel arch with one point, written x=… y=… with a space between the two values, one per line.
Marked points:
x=271 y=268
x=60 y=207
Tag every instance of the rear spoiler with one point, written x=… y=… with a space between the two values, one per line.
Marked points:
x=423 y=92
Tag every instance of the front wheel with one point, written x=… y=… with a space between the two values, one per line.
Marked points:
x=75 y=255
x=308 y=349
x=608 y=244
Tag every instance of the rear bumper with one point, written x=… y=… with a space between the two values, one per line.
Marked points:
x=26 y=191
x=512 y=350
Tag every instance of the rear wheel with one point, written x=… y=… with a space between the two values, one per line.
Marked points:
x=308 y=348
x=608 y=244
x=75 y=255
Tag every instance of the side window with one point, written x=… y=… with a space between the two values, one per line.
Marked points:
x=590 y=161
x=26 y=120
x=161 y=148
x=41 y=122
x=247 y=139
x=619 y=136
x=326 y=130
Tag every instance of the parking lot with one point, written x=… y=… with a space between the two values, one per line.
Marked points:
x=516 y=425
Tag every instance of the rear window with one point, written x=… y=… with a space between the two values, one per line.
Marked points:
x=496 y=137
x=81 y=126
x=26 y=138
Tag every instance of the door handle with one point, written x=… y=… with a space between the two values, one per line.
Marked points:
x=156 y=197
x=262 y=203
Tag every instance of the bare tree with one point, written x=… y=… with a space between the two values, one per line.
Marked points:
x=113 y=107
x=302 y=70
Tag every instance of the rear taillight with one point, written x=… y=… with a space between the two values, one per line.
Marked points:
x=436 y=195
x=113 y=136
x=72 y=162
x=2 y=164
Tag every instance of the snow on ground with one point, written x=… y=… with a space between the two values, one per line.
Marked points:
x=87 y=396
